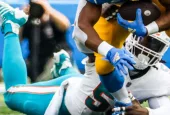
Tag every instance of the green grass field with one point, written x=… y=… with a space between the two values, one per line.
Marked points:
x=4 y=110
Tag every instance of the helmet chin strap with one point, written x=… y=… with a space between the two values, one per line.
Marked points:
x=141 y=62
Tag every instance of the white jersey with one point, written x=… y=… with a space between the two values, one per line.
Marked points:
x=84 y=95
x=155 y=83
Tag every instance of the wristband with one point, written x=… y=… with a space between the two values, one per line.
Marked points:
x=103 y=48
x=152 y=28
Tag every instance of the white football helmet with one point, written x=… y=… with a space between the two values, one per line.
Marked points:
x=149 y=50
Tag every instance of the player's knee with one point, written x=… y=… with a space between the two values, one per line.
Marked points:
x=8 y=101
x=103 y=67
x=27 y=107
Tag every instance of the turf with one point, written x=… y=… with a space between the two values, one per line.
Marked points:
x=4 y=109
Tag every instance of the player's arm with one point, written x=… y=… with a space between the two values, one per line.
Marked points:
x=163 y=22
x=138 y=27
x=159 y=105
x=88 y=17
x=58 y=18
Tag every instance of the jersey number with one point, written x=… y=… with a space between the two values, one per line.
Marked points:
x=100 y=101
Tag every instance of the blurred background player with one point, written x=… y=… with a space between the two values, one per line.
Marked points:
x=46 y=32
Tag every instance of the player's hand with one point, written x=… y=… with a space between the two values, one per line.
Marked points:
x=137 y=27
x=44 y=3
x=135 y=109
x=120 y=58
x=109 y=11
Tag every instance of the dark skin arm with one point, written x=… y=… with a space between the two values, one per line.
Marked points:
x=164 y=22
x=89 y=15
x=135 y=109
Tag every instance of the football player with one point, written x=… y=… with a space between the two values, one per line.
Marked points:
x=150 y=79
x=88 y=41
x=71 y=94
x=108 y=38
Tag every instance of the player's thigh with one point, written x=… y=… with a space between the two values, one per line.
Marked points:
x=104 y=29
x=102 y=66
x=112 y=33
x=31 y=100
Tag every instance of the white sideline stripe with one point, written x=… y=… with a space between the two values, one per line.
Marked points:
x=33 y=89
x=4 y=13
x=3 y=10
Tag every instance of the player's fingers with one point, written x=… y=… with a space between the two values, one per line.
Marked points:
x=125 y=63
x=37 y=1
x=130 y=113
x=118 y=109
x=26 y=9
x=121 y=21
x=139 y=15
x=128 y=53
x=122 y=68
x=128 y=108
x=128 y=59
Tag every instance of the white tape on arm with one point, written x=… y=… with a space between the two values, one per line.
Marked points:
x=103 y=48
x=152 y=28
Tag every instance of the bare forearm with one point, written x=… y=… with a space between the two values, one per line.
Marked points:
x=93 y=39
x=87 y=19
x=164 y=21
x=59 y=19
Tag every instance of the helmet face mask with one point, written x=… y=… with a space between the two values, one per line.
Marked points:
x=149 y=50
